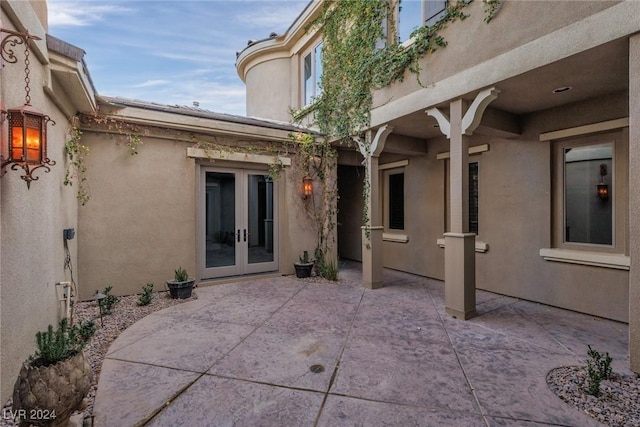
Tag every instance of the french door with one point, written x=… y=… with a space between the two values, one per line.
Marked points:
x=238 y=222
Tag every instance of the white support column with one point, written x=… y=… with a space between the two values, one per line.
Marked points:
x=459 y=255
x=372 y=231
x=634 y=202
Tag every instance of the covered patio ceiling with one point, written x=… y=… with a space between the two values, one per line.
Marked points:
x=590 y=74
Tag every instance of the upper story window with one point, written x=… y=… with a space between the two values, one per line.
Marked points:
x=416 y=13
x=312 y=71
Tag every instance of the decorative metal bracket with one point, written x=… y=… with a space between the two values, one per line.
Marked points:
x=9 y=42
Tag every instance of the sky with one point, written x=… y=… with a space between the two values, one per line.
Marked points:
x=167 y=51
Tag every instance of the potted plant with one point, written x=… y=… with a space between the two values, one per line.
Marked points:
x=53 y=383
x=304 y=267
x=182 y=285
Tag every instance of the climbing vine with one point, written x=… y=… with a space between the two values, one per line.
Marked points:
x=356 y=60
x=76 y=169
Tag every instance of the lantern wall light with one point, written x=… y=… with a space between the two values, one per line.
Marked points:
x=307 y=187
x=602 y=188
x=27 y=136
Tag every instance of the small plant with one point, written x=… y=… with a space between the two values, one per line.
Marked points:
x=304 y=258
x=86 y=329
x=329 y=270
x=598 y=369
x=55 y=346
x=107 y=303
x=147 y=294
x=181 y=275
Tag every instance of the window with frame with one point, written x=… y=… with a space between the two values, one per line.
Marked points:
x=474 y=187
x=413 y=14
x=396 y=201
x=589 y=209
x=312 y=72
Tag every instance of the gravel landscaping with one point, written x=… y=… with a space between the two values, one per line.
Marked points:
x=125 y=313
x=617 y=405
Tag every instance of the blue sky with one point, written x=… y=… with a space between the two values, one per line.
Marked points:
x=170 y=52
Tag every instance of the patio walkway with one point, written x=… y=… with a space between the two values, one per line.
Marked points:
x=242 y=355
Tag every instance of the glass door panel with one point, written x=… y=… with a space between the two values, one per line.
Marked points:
x=220 y=224
x=260 y=219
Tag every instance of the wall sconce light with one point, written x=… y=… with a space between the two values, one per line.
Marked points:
x=307 y=187
x=27 y=144
x=602 y=187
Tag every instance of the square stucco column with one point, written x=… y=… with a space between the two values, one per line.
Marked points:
x=634 y=202
x=459 y=255
x=459 y=273
x=372 y=257
x=372 y=243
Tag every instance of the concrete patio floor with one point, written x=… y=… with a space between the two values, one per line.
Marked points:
x=241 y=355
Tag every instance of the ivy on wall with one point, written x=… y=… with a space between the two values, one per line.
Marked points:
x=360 y=55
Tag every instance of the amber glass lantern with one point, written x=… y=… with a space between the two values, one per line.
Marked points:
x=307 y=187
x=27 y=136
x=27 y=141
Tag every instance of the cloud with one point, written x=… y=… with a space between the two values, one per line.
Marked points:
x=154 y=83
x=80 y=14
x=274 y=16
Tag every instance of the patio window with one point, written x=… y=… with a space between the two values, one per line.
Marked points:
x=416 y=13
x=589 y=206
x=312 y=72
x=396 y=201
x=473 y=197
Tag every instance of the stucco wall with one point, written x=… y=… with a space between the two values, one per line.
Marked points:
x=634 y=202
x=472 y=41
x=269 y=87
x=140 y=223
x=31 y=221
x=142 y=220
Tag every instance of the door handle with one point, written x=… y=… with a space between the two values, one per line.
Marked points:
x=238 y=235
x=245 y=234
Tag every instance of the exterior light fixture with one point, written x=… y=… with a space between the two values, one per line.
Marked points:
x=98 y=297
x=27 y=141
x=602 y=187
x=307 y=187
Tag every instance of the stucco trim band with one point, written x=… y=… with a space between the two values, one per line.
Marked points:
x=393 y=237
x=584 y=130
x=394 y=165
x=200 y=153
x=476 y=149
x=481 y=247
x=597 y=259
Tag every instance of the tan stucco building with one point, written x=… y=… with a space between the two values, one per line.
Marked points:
x=497 y=155
x=200 y=193
x=474 y=175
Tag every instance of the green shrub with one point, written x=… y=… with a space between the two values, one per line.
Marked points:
x=147 y=294
x=61 y=344
x=329 y=270
x=86 y=329
x=598 y=369
x=107 y=303
x=181 y=275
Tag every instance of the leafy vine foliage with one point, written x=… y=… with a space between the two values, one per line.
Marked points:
x=76 y=169
x=359 y=55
